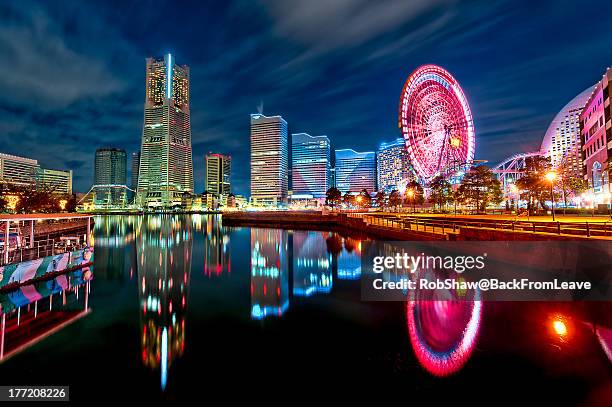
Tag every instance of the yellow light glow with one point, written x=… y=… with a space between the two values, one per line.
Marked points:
x=359 y=198
x=11 y=202
x=455 y=142
x=550 y=176
x=560 y=327
x=410 y=193
x=62 y=204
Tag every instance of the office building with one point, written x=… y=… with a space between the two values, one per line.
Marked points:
x=596 y=137
x=355 y=171
x=310 y=165
x=56 y=181
x=218 y=171
x=110 y=176
x=269 y=160
x=393 y=166
x=166 y=164
x=17 y=170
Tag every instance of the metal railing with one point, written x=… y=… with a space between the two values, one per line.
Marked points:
x=452 y=225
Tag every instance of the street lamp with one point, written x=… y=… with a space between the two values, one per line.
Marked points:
x=551 y=176
x=410 y=194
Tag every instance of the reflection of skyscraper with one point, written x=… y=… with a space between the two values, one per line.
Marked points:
x=349 y=260
x=269 y=273
x=216 y=248
x=312 y=271
x=164 y=255
x=166 y=167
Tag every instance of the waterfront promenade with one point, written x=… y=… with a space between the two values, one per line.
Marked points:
x=402 y=226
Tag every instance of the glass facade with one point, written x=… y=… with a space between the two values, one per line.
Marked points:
x=310 y=165
x=218 y=172
x=166 y=163
x=393 y=165
x=355 y=171
x=269 y=160
x=110 y=171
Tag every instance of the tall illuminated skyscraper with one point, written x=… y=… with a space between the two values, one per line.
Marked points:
x=355 y=171
x=393 y=166
x=110 y=169
x=310 y=165
x=269 y=160
x=218 y=172
x=166 y=164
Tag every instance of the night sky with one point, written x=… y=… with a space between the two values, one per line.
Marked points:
x=72 y=72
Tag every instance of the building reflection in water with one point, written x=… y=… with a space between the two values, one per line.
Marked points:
x=164 y=253
x=269 y=273
x=112 y=233
x=312 y=271
x=349 y=260
x=443 y=333
x=216 y=248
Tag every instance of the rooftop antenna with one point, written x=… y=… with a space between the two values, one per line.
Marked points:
x=260 y=107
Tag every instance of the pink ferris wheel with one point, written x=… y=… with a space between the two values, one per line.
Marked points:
x=436 y=122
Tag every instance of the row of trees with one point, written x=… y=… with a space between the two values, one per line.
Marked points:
x=34 y=199
x=478 y=189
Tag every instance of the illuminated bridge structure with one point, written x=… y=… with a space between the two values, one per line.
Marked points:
x=108 y=197
x=512 y=169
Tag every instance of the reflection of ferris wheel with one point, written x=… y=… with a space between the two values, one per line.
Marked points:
x=436 y=123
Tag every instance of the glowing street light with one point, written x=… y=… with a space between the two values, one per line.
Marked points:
x=410 y=194
x=551 y=176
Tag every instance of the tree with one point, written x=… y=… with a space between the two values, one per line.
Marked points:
x=380 y=199
x=480 y=188
x=414 y=193
x=348 y=199
x=440 y=191
x=395 y=199
x=333 y=197
x=533 y=183
x=364 y=200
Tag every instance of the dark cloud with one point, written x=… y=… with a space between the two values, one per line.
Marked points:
x=72 y=73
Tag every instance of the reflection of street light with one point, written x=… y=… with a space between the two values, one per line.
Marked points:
x=410 y=194
x=551 y=176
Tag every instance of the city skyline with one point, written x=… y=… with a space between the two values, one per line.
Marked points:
x=514 y=95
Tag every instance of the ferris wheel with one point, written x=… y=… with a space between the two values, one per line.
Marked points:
x=436 y=122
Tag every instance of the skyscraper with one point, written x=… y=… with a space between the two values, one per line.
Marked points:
x=135 y=168
x=561 y=143
x=310 y=165
x=355 y=171
x=218 y=169
x=110 y=168
x=166 y=165
x=393 y=165
x=269 y=160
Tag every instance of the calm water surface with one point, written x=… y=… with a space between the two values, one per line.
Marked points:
x=183 y=308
